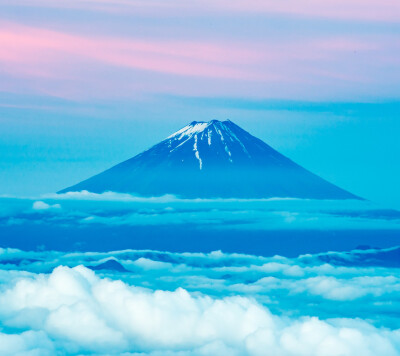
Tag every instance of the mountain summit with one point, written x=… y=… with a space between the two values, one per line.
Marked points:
x=215 y=159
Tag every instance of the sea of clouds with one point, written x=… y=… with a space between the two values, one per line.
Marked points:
x=163 y=303
x=115 y=209
x=66 y=300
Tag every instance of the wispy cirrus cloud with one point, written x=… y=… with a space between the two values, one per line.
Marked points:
x=22 y=45
x=75 y=64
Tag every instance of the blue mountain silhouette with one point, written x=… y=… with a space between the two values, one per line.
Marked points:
x=215 y=159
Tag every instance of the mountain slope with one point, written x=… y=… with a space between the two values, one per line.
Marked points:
x=210 y=160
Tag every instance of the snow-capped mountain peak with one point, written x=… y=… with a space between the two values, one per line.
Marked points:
x=222 y=137
x=191 y=129
x=205 y=129
x=212 y=159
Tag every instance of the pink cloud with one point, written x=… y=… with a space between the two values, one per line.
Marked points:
x=35 y=49
x=68 y=64
x=32 y=50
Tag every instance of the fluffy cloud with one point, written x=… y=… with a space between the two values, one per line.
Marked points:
x=41 y=205
x=74 y=310
x=160 y=303
x=30 y=343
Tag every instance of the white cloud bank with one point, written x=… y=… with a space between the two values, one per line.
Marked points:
x=72 y=310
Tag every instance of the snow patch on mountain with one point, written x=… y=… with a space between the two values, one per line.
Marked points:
x=189 y=130
x=197 y=152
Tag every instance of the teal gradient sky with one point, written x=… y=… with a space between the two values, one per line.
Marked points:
x=87 y=84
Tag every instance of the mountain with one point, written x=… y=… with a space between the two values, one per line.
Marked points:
x=215 y=159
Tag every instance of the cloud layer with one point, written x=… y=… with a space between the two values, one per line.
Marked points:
x=110 y=221
x=114 y=209
x=163 y=303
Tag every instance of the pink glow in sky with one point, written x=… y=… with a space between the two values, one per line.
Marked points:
x=304 y=49
x=26 y=48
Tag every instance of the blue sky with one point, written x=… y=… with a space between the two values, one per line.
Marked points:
x=85 y=85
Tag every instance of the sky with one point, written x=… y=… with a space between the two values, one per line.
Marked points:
x=87 y=84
